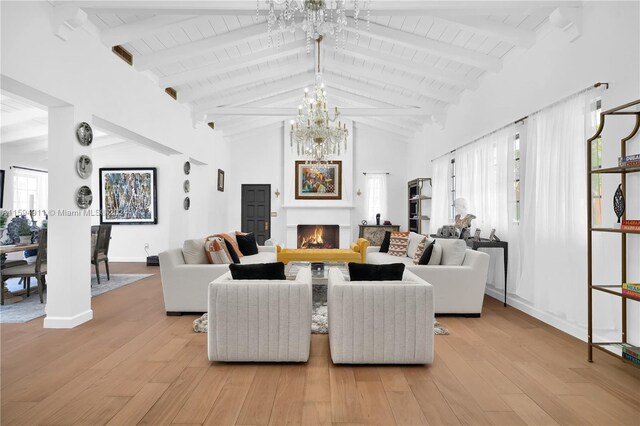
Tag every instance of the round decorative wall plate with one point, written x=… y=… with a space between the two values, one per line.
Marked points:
x=186 y=203
x=84 y=197
x=187 y=167
x=84 y=134
x=84 y=166
x=364 y=222
x=186 y=186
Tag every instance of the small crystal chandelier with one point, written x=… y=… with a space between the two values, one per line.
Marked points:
x=318 y=18
x=317 y=135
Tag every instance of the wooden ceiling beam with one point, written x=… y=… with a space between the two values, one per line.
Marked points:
x=386 y=79
x=494 y=29
x=379 y=93
x=238 y=82
x=402 y=64
x=377 y=7
x=432 y=47
x=269 y=89
x=215 y=43
x=230 y=65
x=145 y=28
x=292 y=112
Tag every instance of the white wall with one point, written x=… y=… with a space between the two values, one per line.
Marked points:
x=268 y=159
x=607 y=51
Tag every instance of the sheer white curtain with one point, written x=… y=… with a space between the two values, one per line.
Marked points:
x=553 y=225
x=441 y=202
x=481 y=178
x=376 y=195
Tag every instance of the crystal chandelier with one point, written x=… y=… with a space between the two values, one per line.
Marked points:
x=317 y=135
x=317 y=18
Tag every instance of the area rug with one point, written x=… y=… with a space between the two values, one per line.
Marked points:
x=31 y=308
x=319 y=322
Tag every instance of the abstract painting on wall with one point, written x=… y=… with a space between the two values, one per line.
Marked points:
x=128 y=196
x=322 y=182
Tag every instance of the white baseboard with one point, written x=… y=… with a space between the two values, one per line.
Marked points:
x=128 y=259
x=524 y=306
x=68 y=322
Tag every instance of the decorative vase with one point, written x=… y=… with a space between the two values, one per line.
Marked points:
x=25 y=239
x=618 y=203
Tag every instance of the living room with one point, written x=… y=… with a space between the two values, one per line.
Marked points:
x=485 y=107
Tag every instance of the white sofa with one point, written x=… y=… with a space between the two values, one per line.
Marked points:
x=380 y=322
x=185 y=285
x=458 y=289
x=260 y=320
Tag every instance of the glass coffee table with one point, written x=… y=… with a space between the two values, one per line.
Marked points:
x=319 y=277
x=319 y=270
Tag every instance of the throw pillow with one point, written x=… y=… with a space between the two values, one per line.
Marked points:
x=436 y=256
x=426 y=254
x=369 y=272
x=247 y=244
x=414 y=242
x=398 y=244
x=193 y=252
x=453 y=252
x=216 y=250
x=232 y=241
x=384 y=247
x=258 y=271
x=233 y=254
x=420 y=250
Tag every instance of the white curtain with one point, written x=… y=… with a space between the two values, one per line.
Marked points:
x=441 y=202
x=553 y=227
x=481 y=179
x=376 y=196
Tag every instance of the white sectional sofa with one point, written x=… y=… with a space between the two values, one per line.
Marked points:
x=380 y=322
x=185 y=285
x=458 y=289
x=260 y=320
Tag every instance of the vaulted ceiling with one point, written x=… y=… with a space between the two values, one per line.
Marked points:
x=414 y=60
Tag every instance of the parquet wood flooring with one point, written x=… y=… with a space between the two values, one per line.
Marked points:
x=134 y=365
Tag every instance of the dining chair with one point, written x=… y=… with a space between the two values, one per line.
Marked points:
x=100 y=250
x=38 y=269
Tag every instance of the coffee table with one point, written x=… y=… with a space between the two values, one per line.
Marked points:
x=317 y=277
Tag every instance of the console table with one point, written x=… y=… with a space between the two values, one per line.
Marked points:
x=375 y=233
x=475 y=245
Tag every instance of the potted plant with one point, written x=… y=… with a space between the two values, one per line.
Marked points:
x=25 y=233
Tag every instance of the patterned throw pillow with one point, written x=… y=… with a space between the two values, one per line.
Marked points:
x=419 y=251
x=232 y=241
x=216 y=250
x=398 y=244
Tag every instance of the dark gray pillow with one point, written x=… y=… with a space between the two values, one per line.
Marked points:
x=384 y=247
x=426 y=254
x=368 y=272
x=258 y=271
x=247 y=244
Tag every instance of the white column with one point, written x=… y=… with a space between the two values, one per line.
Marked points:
x=179 y=217
x=69 y=245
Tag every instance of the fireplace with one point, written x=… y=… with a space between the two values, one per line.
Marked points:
x=318 y=236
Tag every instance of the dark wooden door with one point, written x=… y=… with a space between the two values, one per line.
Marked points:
x=256 y=211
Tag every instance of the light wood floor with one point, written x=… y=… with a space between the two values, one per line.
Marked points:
x=134 y=365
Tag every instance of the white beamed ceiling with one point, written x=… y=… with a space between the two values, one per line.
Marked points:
x=417 y=54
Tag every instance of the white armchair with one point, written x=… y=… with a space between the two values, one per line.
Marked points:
x=260 y=320
x=380 y=322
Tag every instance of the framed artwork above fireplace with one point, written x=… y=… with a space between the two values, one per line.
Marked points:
x=319 y=183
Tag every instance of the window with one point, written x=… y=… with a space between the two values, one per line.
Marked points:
x=452 y=188
x=596 y=163
x=30 y=191
x=516 y=177
x=376 y=195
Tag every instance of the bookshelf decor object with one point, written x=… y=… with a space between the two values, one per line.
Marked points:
x=627 y=292
x=419 y=205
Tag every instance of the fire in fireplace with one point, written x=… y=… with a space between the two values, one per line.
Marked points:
x=318 y=236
